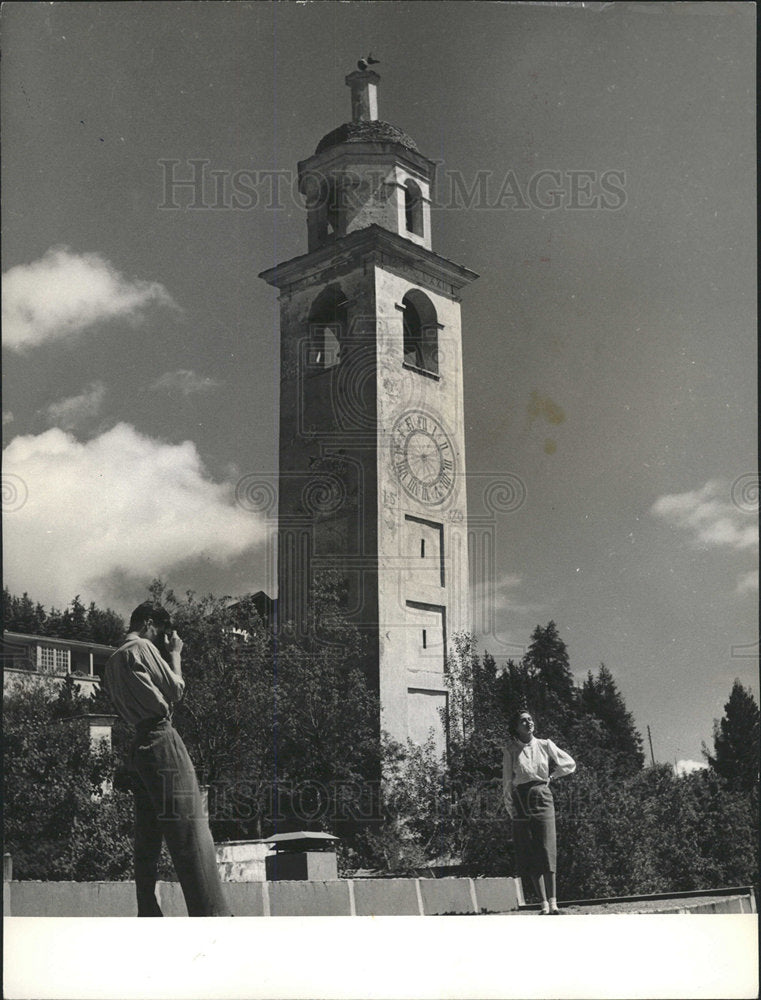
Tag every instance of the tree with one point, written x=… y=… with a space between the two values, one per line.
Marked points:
x=70 y=623
x=512 y=687
x=70 y=702
x=652 y=832
x=21 y=614
x=736 y=741
x=58 y=823
x=325 y=712
x=281 y=732
x=105 y=627
x=413 y=829
x=601 y=698
x=93 y=624
x=228 y=695
x=547 y=666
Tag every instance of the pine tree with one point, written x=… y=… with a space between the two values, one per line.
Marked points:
x=736 y=741
x=484 y=688
x=601 y=698
x=547 y=664
x=69 y=701
x=73 y=622
x=106 y=627
x=21 y=614
x=512 y=688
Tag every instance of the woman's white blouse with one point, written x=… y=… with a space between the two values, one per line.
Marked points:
x=537 y=760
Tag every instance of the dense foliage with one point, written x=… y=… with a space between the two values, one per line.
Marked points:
x=91 y=624
x=736 y=741
x=280 y=731
x=285 y=733
x=59 y=823
x=622 y=828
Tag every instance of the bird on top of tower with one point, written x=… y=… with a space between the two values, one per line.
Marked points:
x=369 y=61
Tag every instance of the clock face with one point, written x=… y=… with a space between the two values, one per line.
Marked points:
x=423 y=457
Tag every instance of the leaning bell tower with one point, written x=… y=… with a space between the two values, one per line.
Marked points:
x=372 y=440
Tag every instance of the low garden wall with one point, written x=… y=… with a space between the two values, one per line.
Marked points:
x=339 y=897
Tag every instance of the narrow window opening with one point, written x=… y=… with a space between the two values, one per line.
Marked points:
x=425 y=645
x=413 y=208
x=334 y=214
x=422 y=548
x=327 y=326
x=421 y=331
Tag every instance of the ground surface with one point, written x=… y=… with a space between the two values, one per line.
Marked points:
x=641 y=906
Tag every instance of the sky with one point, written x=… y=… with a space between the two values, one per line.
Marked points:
x=596 y=168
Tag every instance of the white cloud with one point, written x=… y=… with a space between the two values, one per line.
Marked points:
x=709 y=516
x=72 y=411
x=495 y=594
x=185 y=381
x=496 y=605
x=121 y=505
x=747 y=582
x=63 y=293
x=689 y=766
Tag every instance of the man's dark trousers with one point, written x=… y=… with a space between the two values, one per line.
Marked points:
x=168 y=805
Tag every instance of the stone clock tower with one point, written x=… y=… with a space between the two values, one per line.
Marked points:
x=372 y=443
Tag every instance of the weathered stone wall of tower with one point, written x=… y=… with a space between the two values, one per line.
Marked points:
x=351 y=188
x=423 y=585
x=328 y=470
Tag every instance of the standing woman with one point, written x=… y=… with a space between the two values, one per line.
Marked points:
x=528 y=766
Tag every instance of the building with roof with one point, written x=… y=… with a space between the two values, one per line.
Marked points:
x=48 y=660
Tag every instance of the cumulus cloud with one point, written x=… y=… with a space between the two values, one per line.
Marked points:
x=63 y=293
x=185 y=381
x=73 y=411
x=689 y=766
x=121 y=505
x=709 y=516
x=747 y=582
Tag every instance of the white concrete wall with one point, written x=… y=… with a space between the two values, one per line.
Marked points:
x=343 y=897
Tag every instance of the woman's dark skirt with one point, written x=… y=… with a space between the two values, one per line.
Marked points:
x=534 y=829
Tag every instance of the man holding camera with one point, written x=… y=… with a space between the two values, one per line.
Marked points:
x=144 y=680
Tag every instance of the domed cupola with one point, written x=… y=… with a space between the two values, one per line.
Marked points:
x=364 y=131
x=366 y=172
